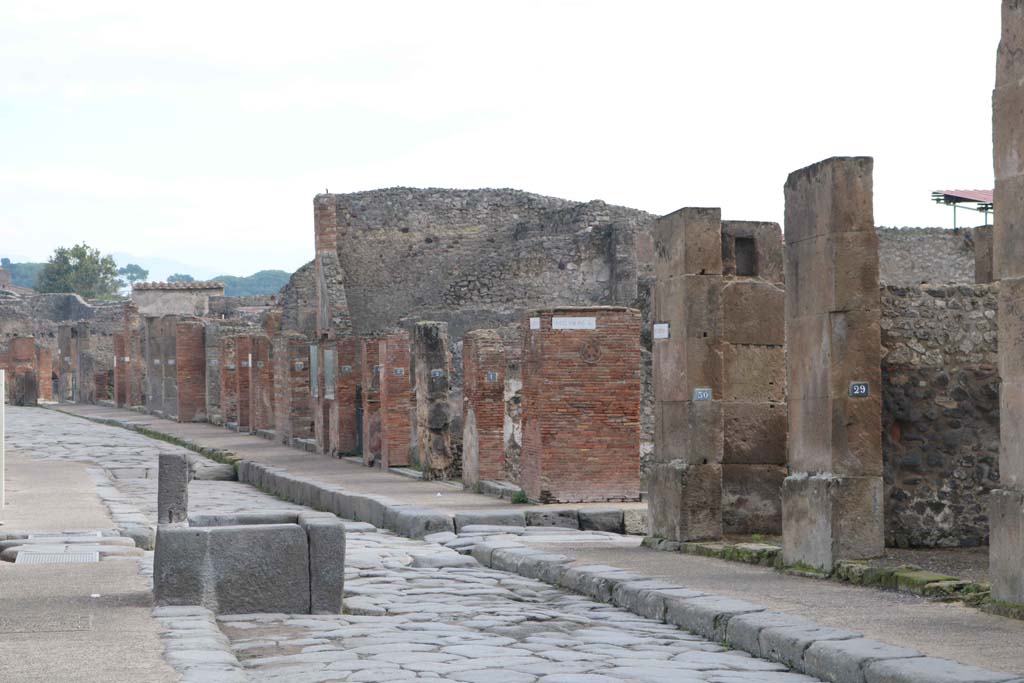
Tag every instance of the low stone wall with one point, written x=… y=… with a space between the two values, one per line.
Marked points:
x=940 y=417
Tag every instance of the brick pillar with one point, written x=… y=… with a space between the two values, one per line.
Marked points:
x=228 y=380
x=344 y=417
x=85 y=387
x=369 y=355
x=1006 y=504
x=318 y=404
x=261 y=384
x=190 y=352
x=832 y=507
x=433 y=410
x=134 y=357
x=169 y=343
x=23 y=371
x=581 y=405
x=292 y=416
x=65 y=363
x=395 y=406
x=100 y=386
x=44 y=373
x=120 y=371
x=243 y=358
x=483 y=407
x=154 y=386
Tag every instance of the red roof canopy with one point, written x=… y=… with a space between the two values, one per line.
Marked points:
x=981 y=196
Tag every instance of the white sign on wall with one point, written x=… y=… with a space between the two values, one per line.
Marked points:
x=534 y=323
x=661 y=330
x=558 y=323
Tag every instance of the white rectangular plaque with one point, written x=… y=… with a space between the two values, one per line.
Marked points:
x=559 y=323
x=661 y=330
x=534 y=323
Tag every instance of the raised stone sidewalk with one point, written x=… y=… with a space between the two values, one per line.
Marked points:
x=717 y=593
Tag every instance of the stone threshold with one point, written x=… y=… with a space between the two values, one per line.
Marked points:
x=905 y=579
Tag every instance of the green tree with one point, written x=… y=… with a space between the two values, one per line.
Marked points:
x=22 y=274
x=82 y=270
x=181 y=277
x=133 y=273
x=263 y=282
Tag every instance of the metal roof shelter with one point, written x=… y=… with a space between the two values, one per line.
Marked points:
x=975 y=200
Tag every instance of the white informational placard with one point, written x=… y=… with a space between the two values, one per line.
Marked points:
x=558 y=323
x=534 y=323
x=661 y=330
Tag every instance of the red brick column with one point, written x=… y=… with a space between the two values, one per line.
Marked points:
x=292 y=417
x=243 y=351
x=483 y=407
x=581 y=405
x=261 y=384
x=344 y=416
x=228 y=380
x=44 y=372
x=190 y=359
x=23 y=371
x=369 y=354
x=395 y=385
x=100 y=382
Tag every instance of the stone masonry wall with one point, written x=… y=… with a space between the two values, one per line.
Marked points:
x=913 y=256
x=940 y=416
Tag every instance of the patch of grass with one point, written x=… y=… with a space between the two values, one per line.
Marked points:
x=519 y=498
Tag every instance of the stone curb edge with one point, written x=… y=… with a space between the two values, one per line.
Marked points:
x=829 y=654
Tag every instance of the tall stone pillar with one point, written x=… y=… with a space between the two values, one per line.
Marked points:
x=685 y=483
x=292 y=416
x=344 y=419
x=169 y=344
x=120 y=371
x=23 y=369
x=261 y=384
x=369 y=360
x=581 y=405
x=483 y=407
x=832 y=506
x=243 y=357
x=228 y=380
x=65 y=363
x=395 y=404
x=1006 y=504
x=44 y=373
x=134 y=357
x=433 y=410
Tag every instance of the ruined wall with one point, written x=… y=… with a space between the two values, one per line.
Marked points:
x=298 y=302
x=477 y=258
x=940 y=416
x=913 y=256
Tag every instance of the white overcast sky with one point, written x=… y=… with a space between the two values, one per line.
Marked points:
x=200 y=131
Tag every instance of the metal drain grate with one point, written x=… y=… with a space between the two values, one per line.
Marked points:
x=28 y=557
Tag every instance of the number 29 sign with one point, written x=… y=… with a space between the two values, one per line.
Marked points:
x=859 y=389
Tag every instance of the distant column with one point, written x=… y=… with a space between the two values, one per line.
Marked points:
x=832 y=507
x=349 y=373
x=433 y=410
x=243 y=356
x=483 y=407
x=369 y=355
x=190 y=354
x=1006 y=504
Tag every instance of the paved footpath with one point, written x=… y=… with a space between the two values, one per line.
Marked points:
x=415 y=610
x=936 y=629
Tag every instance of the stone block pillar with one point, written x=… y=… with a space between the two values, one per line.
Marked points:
x=345 y=418
x=1006 y=504
x=120 y=371
x=172 y=489
x=483 y=407
x=832 y=507
x=581 y=405
x=395 y=403
x=686 y=479
x=369 y=360
x=134 y=357
x=190 y=355
x=433 y=410
x=261 y=384
x=65 y=363
x=228 y=380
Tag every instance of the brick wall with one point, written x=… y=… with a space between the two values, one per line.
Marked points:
x=395 y=406
x=349 y=375
x=581 y=406
x=190 y=352
x=369 y=355
x=483 y=407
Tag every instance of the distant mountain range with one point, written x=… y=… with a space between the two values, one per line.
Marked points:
x=264 y=282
